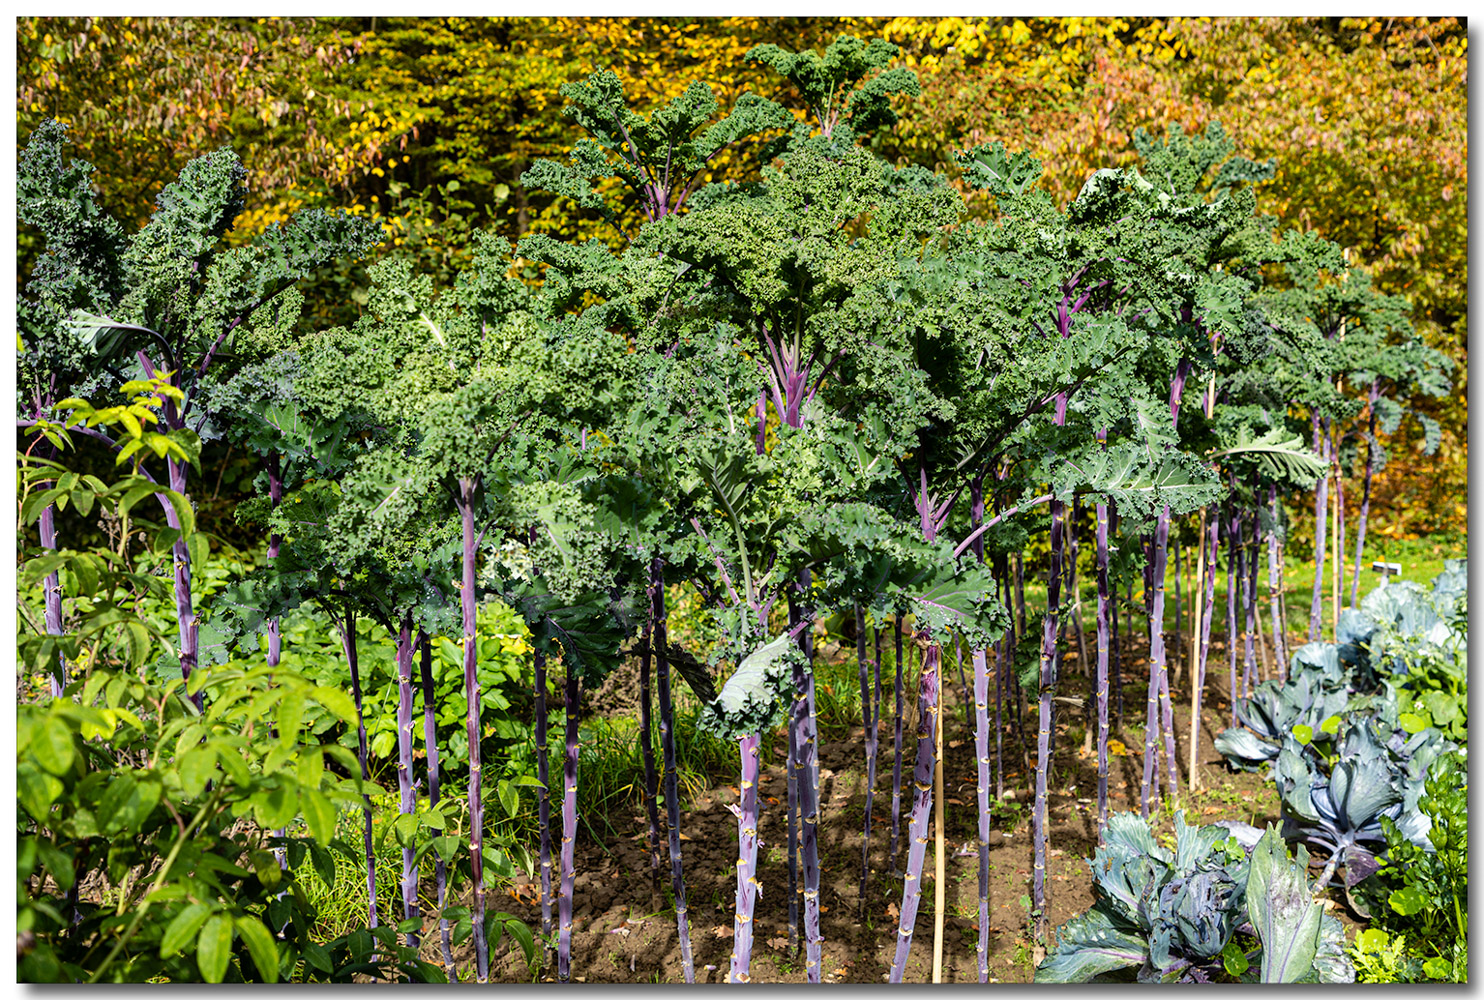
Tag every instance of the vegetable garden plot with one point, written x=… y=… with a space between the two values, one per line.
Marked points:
x=821 y=401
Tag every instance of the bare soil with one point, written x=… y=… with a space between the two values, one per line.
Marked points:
x=624 y=927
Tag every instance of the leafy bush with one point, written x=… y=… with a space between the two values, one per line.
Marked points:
x=1423 y=894
x=144 y=836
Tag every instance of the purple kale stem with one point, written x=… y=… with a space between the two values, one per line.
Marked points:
x=869 y=727
x=1233 y=572
x=347 y=627
x=922 y=804
x=747 y=883
x=1115 y=662
x=981 y=749
x=275 y=497
x=1207 y=613
x=1159 y=671
x=1365 y=496
x=1275 y=586
x=1101 y=513
x=672 y=781
x=1249 y=607
x=646 y=746
x=981 y=754
x=896 y=762
x=873 y=733
x=1149 y=782
x=408 y=803
x=569 y=828
x=430 y=745
x=1321 y=525
x=474 y=730
x=1047 y=685
x=48 y=528
x=807 y=734
x=762 y=421
x=1019 y=595
x=795 y=888
x=543 y=797
x=999 y=688
x=185 y=615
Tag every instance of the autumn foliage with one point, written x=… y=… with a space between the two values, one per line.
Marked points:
x=429 y=123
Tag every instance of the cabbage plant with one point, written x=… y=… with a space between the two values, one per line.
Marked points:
x=1181 y=913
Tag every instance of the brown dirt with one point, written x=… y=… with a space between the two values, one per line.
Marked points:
x=625 y=933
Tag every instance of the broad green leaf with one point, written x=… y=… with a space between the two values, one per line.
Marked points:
x=312 y=768
x=1412 y=722
x=214 y=948
x=316 y=955
x=324 y=864
x=337 y=702
x=36 y=791
x=319 y=814
x=275 y=806
x=406 y=826
x=509 y=798
x=1408 y=901
x=290 y=717
x=182 y=930
x=521 y=933
x=260 y=946
x=197 y=766
x=51 y=744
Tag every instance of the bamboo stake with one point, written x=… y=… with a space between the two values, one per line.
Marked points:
x=939 y=860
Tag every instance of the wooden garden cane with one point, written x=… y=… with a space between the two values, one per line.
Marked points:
x=938 y=861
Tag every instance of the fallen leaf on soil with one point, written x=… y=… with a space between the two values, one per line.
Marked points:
x=722 y=931
x=684 y=837
x=778 y=942
x=892 y=911
x=955 y=744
